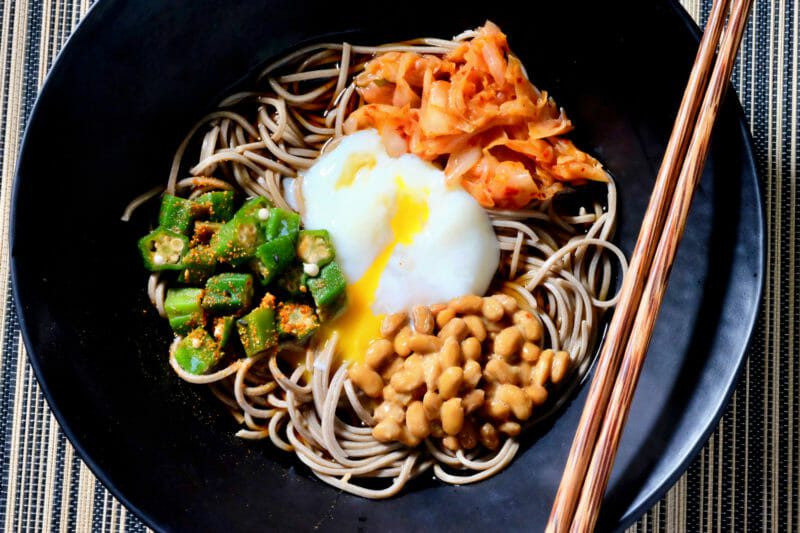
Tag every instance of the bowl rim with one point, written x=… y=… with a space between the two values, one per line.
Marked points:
x=94 y=16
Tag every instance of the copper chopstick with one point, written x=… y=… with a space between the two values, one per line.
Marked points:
x=605 y=451
x=633 y=283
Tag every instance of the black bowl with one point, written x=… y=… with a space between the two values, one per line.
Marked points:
x=132 y=80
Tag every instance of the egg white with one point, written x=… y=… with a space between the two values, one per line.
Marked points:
x=454 y=253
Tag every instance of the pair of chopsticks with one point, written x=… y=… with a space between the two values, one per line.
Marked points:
x=594 y=447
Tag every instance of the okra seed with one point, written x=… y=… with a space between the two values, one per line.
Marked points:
x=311 y=269
x=158 y=259
x=263 y=214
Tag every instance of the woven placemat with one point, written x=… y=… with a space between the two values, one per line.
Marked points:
x=746 y=477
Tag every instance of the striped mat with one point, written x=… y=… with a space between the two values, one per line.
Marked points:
x=746 y=478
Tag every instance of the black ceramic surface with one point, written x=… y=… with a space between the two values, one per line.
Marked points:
x=132 y=80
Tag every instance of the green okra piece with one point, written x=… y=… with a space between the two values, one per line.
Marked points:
x=228 y=293
x=176 y=214
x=199 y=264
x=293 y=281
x=238 y=239
x=163 y=249
x=329 y=291
x=257 y=330
x=197 y=352
x=315 y=247
x=273 y=257
x=297 y=321
x=283 y=223
x=184 y=310
x=215 y=206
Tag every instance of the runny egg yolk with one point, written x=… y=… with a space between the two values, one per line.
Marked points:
x=357 y=326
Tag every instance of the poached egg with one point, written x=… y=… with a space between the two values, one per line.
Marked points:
x=402 y=236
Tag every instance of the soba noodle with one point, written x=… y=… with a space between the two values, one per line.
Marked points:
x=260 y=142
